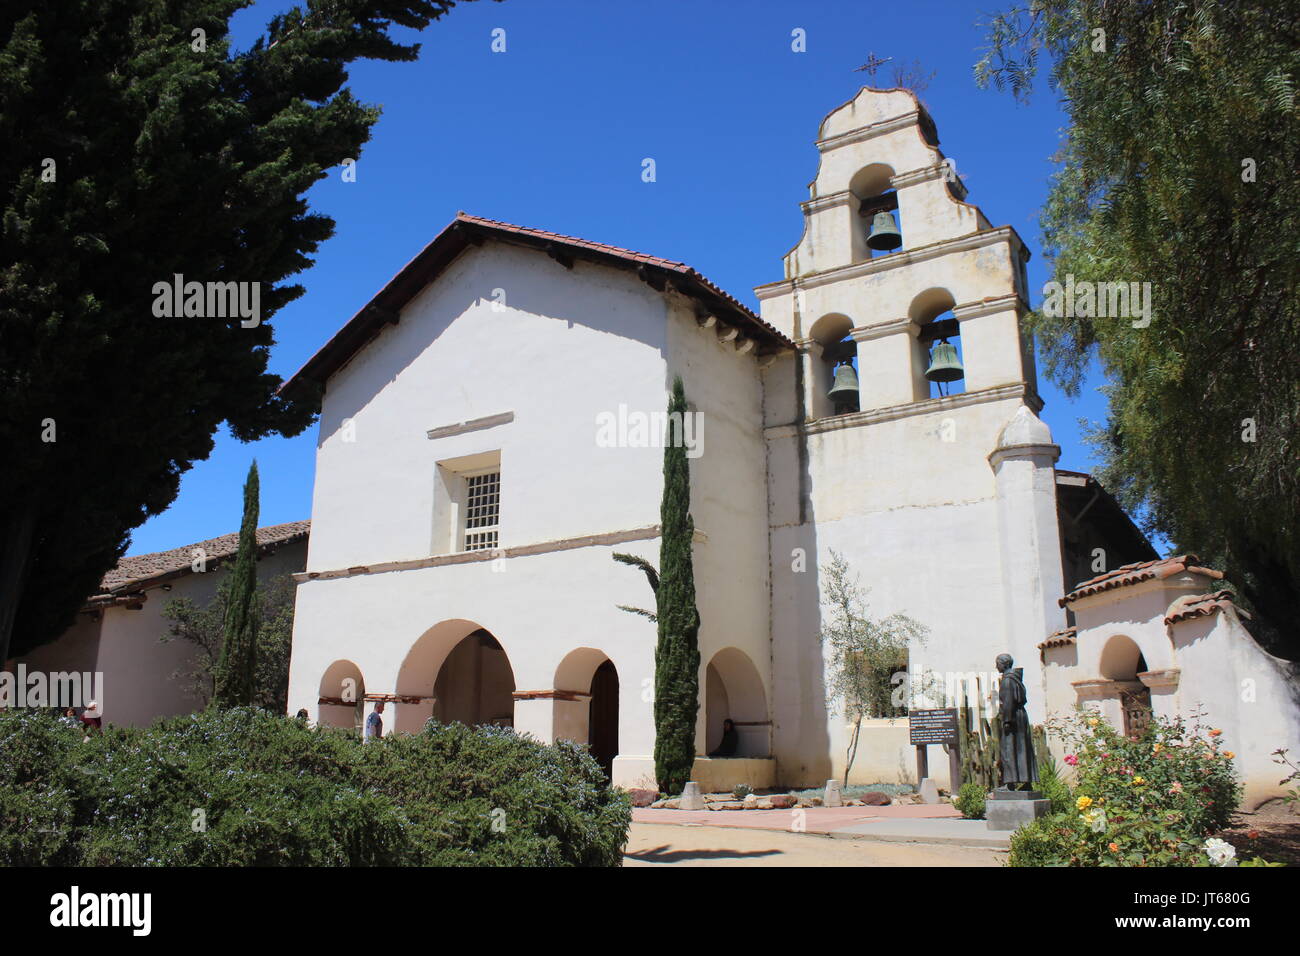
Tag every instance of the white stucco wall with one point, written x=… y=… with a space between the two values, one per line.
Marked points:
x=1208 y=665
x=563 y=347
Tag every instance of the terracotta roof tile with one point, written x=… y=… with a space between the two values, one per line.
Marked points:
x=136 y=570
x=1199 y=605
x=1141 y=571
x=1062 y=638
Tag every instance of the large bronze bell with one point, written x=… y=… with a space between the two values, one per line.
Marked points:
x=844 y=391
x=945 y=366
x=884 y=235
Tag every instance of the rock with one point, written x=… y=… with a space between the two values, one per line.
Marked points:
x=833 y=798
x=643 y=798
x=750 y=802
x=815 y=802
x=726 y=805
x=671 y=804
x=783 y=801
x=764 y=803
x=875 y=798
x=691 y=798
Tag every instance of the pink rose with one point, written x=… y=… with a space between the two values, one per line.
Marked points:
x=1072 y=760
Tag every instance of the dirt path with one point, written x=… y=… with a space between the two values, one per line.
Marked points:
x=652 y=844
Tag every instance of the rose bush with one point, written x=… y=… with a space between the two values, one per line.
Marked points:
x=1149 y=800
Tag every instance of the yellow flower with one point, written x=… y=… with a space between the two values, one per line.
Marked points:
x=1229 y=754
x=1138 y=781
x=1215 y=733
x=1156 y=749
x=1092 y=721
x=1083 y=803
x=1114 y=847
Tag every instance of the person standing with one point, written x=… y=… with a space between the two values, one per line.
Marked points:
x=374 y=723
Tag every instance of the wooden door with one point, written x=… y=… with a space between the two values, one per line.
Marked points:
x=603 y=717
x=1137 y=711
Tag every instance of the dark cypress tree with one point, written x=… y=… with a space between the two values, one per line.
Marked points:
x=677 y=654
x=237 y=667
x=139 y=143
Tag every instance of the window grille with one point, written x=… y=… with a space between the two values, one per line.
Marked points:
x=482 y=511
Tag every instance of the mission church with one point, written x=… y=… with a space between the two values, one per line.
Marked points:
x=882 y=404
x=463 y=522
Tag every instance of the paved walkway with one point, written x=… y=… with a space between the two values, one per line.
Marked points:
x=653 y=844
x=919 y=823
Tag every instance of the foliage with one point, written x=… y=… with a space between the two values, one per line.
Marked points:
x=273 y=792
x=1292 y=795
x=1151 y=800
x=203 y=627
x=1050 y=782
x=677 y=653
x=981 y=737
x=1181 y=148
x=741 y=790
x=651 y=574
x=236 y=674
x=170 y=157
x=866 y=654
x=970 y=800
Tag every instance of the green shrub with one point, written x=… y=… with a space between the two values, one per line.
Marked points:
x=741 y=790
x=1053 y=786
x=970 y=800
x=1150 y=800
x=245 y=787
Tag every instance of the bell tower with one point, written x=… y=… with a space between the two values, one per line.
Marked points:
x=902 y=287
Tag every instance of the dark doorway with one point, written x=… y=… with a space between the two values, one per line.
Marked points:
x=603 y=717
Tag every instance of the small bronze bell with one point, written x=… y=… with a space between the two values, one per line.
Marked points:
x=945 y=366
x=884 y=235
x=844 y=392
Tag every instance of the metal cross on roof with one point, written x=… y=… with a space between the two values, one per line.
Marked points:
x=873 y=63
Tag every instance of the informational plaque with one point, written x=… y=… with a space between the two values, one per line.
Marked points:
x=938 y=726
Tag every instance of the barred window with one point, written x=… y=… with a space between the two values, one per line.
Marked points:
x=482 y=510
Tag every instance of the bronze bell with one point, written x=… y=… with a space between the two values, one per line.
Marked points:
x=884 y=235
x=844 y=391
x=945 y=366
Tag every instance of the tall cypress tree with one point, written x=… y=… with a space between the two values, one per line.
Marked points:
x=677 y=654
x=237 y=667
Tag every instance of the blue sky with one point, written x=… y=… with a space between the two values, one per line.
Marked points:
x=551 y=134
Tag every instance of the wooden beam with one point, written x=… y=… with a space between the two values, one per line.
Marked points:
x=942 y=329
x=559 y=254
x=650 y=277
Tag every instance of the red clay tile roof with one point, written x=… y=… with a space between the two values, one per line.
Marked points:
x=135 y=571
x=1141 y=571
x=1199 y=605
x=1062 y=638
x=466 y=230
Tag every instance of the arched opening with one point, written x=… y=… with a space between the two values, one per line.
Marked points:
x=835 y=377
x=938 y=365
x=459 y=672
x=733 y=690
x=341 y=697
x=879 y=229
x=591 y=719
x=1122 y=661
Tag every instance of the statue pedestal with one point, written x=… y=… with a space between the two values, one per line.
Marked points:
x=1012 y=809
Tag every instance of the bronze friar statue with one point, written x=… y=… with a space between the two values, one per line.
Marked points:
x=1017 y=756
